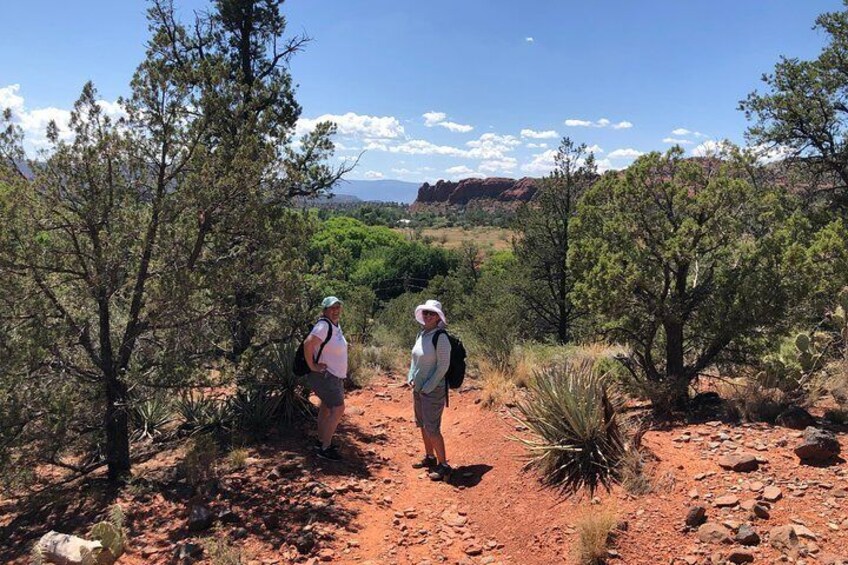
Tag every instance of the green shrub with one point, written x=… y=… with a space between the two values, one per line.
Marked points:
x=275 y=366
x=152 y=416
x=578 y=438
x=256 y=409
x=205 y=415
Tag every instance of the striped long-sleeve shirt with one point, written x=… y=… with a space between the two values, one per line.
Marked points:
x=429 y=365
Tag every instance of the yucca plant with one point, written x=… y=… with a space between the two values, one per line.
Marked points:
x=277 y=363
x=256 y=408
x=151 y=416
x=201 y=414
x=578 y=439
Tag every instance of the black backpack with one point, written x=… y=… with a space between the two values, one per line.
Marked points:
x=456 y=369
x=300 y=367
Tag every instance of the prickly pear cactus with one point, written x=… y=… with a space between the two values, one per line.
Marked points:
x=110 y=536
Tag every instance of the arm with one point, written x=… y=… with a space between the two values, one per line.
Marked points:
x=311 y=346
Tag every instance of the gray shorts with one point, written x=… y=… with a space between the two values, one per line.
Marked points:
x=329 y=388
x=429 y=408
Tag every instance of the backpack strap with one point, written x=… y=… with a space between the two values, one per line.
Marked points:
x=326 y=339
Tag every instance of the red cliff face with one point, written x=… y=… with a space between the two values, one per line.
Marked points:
x=462 y=192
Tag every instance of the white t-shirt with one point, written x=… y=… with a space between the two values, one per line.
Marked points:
x=334 y=354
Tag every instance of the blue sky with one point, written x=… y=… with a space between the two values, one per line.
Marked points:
x=451 y=89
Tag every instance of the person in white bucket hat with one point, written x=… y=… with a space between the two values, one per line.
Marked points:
x=426 y=376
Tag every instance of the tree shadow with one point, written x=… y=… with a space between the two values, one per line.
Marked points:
x=468 y=476
x=283 y=489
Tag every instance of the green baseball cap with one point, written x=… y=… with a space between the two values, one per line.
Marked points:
x=330 y=301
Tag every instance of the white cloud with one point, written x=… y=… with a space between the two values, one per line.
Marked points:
x=492 y=146
x=423 y=147
x=684 y=131
x=594 y=149
x=601 y=123
x=373 y=175
x=33 y=122
x=536 y=145
x=533 y=134
x=529 y=39
x=459 y=170
x=506 y=164
x=359 y=125
x=676 y=141
x=768 y=154
x=542 y=163
x=432 y=119
x=711 y=148
x=453 y=126
x=625 y=154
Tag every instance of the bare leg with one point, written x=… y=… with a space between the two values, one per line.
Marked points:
x=438 y=443
x=328 y=421
x=428 y=445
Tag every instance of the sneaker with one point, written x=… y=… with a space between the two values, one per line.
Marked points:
x=330 y=454
x=441 y=472
x=427 y=461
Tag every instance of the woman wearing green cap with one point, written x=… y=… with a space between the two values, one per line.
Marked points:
x=325 y=350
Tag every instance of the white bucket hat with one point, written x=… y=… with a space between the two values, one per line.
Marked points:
x=433 y=306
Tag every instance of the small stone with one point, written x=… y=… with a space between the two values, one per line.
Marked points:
x=200 y=518
x=740 y=556
x=713 y=533
x=696 y=516
x=796 y=418
x=727 y=501
x=756 y=486
x=803 y=531
x=783 y=538
x=772 y=494
x=819 y=446
x=761 y=512
x=747 y=536
x=473 y=549
x=738 y=462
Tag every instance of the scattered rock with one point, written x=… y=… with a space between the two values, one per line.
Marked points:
x=727 y=501
x=796 y=418
x=819 y=446
x=747 y=536
x=740 y=556
x=696 y=516
x=200 y=518
x=188 y=552
x=473 y=549
x=761 y=511
x=772 y=494
x=803 y=531
x=713 y=533
x=783 y=538
x=739 y=462
x=68 y=549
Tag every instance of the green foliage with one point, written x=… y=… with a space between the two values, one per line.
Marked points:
x=256 y=408
x=542 y=244
x=274 y=368
x=803 y=111
x=684 y=260
x=151 y=416
x=578 y=440
x=202 y=414
x=220 y=551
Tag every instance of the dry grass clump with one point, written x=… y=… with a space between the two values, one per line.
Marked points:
x=498 y=388
x=596 y=530
x=236 y=459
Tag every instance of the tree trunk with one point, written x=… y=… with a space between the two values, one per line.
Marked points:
x=116 y=424
x=674 y=364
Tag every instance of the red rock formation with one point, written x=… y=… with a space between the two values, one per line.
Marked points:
x=462 y=192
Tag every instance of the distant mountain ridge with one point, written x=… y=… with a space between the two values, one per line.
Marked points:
x=384 y=190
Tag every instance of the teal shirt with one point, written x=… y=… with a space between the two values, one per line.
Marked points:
x=429 y=365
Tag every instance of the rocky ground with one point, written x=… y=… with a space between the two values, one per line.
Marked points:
x=722 y=493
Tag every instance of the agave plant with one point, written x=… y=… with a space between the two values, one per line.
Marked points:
x=152 y=416
x=201 y=414
x=255 y=408
x=290 y=390
x=578 y=441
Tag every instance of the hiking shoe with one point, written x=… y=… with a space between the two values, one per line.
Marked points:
x=427 y=461
x=330 y=454
x=441 y=472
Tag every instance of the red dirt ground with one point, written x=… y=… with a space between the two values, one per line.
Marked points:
x=373 y=508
